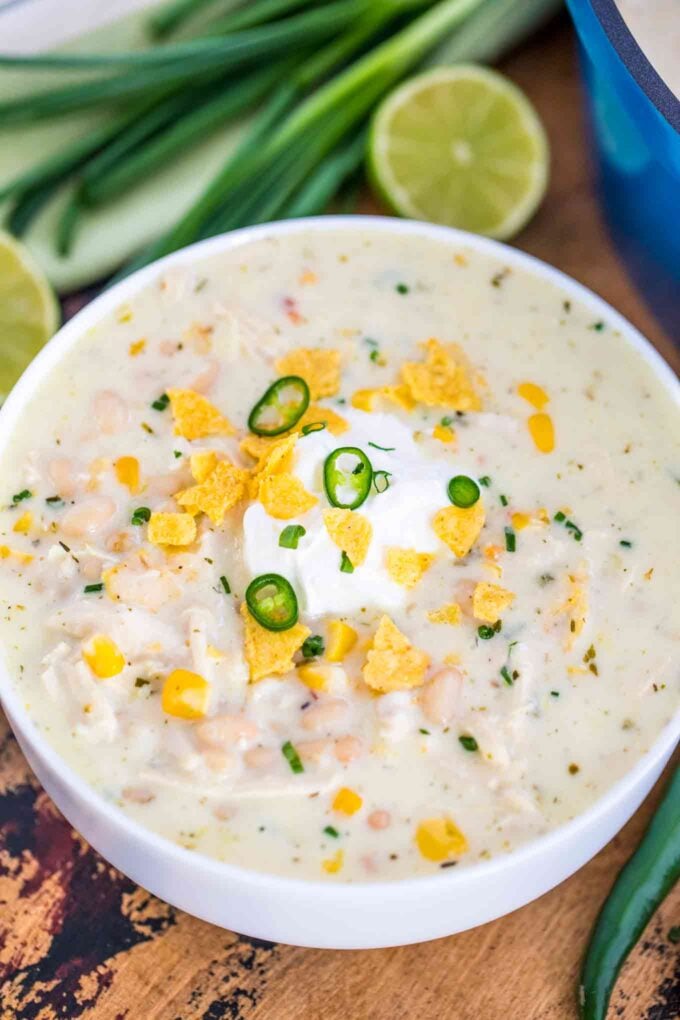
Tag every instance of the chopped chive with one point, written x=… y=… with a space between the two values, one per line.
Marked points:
x=402 y=288
x=375 y=355
x=292 y=757
x=346 y=565
x=177 y=454
x=597 y=326
x=469 y=743
x=385 y=449
x=510 y=540
x=313 y=646
x=161 y=403
x=89 y=589
x=20 y=496
x=225 y=584
x=314 y=426
x=503 y=499
x=141 y=681
x=55 y=501
x=554 y=694
x=331 y=831
x=559 y=517
x=140 y=516
x=381 y=480
x=505 y=673
x=576 y=532
x=485 y=632
x=485 y=481
x=291 y=535
x=626 y=544
x=423 y=730
x=447 y=421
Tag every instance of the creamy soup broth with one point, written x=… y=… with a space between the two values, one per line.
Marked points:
x=482 y=675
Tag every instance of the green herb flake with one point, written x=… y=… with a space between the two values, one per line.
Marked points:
x=291 y=535
x=140 y=516
x=292 y=757
x=19 y=497
x=554 y=694
x=485 y=632
x=141 y=681
x=626 y=544
x=402 y=288
x=576 y=532
x=313 y=646
x=505 y=673
x=469 y=743
x=161 y=403
x=90 y=589
x=381 y=480
x=54 y=501
x=559 y=517
x=510 y=540
x=332 y=831
x=346 y=565
x=424 y=731
x=376 y=357
x=177 y=454
x=485 y=481
x=597 y=326
x=225 y=585
x=503 y=500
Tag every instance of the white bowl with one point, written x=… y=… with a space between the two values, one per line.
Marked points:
x=312 y=913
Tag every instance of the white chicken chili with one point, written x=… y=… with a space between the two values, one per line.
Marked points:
x=347 y=555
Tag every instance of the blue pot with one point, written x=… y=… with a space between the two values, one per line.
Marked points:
x=634 y=121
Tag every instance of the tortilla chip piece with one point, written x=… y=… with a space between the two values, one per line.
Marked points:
x=269 y=652
x=351 y=532
x=365 y=400
x=195 y=417
x=392 y=662
x=459 y=527
x=443 y=379
x=318 y=366
x=406 y=566
x=171 y=529
x=450 y=613
x=275 y=457
x=284 y=496
x=224 y=487
x=489 y=601
x=202 y=464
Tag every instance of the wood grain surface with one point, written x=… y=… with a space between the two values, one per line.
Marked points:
x=79 y=940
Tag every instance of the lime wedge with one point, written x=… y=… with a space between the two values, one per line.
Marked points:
x=29 y=313
x=461 y=146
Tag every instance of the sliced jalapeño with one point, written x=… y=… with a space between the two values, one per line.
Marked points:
x=280 y=407
x=272 y=602
x=347 y=477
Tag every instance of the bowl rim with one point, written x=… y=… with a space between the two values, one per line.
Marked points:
x=160 y=846
x=636 y=61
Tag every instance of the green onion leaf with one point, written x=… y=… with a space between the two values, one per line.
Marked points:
x=559 y=516
x=225 y=584
x=20 y=496
x=89 y=589
x=385 y=449
x=469 y=743
x=626 y=544
x=485 y=481
x=161 y=403
x=292 y=757
x=505 y=673
x=554 y=694
x=140 y=516
x=402 y=288
x=510 y=540
x=503 y=499
x=346 y=565
x=331 y=831
x=313 y=646
x=291 y=535
x=177 y=454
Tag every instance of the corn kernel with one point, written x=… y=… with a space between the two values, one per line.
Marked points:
x=439 y=839
x=24 y=524
x=104 y=657
x=520 y=521
x=444 y=434
x=534 y=394
x=313 y=677
x=542 y=432
x=347 y=801
x=185 y=694
x=331 y=865
x=341 y=640
x=127 y=473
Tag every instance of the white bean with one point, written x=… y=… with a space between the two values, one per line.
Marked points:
x=324 y=715
x=88 y=517
x=110 y=412
x=225 y=731
x=439 y=698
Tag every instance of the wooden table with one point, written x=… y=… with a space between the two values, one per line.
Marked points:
x=77 y=939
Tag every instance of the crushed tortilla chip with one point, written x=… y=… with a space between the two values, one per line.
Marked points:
x=270 y=652
x=489 y=601
x=202 y=464
x=320 y=368
x=171 y=529
x=284 y=496
x=575 y=607
x=406 y=566
x=392 y=662
x=443 y=379
x=351 y=532
x=450 y=613
x=365 y=400
x=24 y=524
x=195 y=417
x=224 y=487
x=459 y=527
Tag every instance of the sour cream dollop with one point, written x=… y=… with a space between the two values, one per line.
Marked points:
x=400 y=516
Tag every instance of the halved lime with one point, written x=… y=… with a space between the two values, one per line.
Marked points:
x=29 y=313
x=461 y=146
